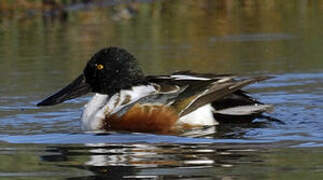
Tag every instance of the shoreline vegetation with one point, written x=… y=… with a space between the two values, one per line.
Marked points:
x=12 y=8
x=21 y=5
x=61 y=8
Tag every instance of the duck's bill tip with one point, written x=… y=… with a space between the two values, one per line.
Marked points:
x=75 y=89
x=44 y=103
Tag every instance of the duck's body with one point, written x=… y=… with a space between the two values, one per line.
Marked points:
x=127 y=100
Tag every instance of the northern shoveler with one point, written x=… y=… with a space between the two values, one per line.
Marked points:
x=128 y=100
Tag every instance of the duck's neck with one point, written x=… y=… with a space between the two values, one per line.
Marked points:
x=122 y=78
x=118 y=83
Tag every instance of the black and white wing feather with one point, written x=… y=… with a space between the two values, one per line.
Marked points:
x=222 y=91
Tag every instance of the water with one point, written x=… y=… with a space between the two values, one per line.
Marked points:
x=39 y=56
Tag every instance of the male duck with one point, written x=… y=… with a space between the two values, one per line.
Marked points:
x=128 y=100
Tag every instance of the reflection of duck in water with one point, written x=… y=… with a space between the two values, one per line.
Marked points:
x=128 y=100
x=139 y=155
x=143 y=161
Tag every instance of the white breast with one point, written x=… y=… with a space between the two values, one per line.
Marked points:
x=96 y=109
x=92 y=114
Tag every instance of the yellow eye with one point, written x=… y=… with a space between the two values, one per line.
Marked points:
x=99 y=66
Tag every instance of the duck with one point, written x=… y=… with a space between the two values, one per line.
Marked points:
x=125 y=99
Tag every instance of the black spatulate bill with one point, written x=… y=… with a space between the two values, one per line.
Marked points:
x=75 y=89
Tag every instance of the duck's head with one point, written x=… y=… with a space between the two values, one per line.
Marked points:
x=107 y=72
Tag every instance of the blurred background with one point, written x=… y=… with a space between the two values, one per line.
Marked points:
x=49 y=41
x=44 y=44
